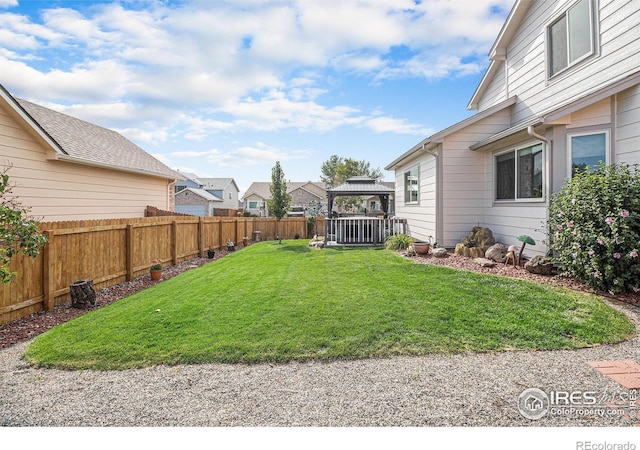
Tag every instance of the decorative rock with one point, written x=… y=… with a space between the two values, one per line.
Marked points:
x=484 y=262
x=471 y=252
x=439 y=252
x=540 y=265
x=317 y=244
x=497 y=253
x=479 y=237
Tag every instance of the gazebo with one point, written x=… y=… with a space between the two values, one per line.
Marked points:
x=357 y=186
x=361 y=230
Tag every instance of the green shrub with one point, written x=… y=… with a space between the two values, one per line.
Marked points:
x=594 y=228
x=399 y=242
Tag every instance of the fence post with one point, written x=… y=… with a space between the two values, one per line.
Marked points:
x=221 y=240
x=48 y=267
x=201 y=237
x=174 y=242
x=129 y=252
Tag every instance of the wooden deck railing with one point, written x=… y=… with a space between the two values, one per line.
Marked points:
x=362 y=230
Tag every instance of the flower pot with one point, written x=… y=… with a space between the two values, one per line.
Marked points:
x=421 y=248
x=156 y=275
x=211 y=254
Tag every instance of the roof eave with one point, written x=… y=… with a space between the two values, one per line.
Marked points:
x=498 y=51
x=43 y=136
x=86 y=162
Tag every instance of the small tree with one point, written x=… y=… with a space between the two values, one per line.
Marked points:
x=18 y=232
x=280 y=200
x=594 y=228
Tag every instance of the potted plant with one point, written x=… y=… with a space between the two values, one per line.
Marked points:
x=211 y=253
x=156 y=270
x=245 y=241
x=422 y=247
x=230 y=245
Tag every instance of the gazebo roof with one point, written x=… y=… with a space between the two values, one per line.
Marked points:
x=361 y=186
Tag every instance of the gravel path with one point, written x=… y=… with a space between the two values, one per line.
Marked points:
x=443 y=390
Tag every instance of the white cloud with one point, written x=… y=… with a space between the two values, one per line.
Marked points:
x=242 y=156
x=193 y=70
x=391 y=125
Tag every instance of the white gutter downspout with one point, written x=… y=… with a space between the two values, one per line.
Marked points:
x=438 y=212
x=547 y=144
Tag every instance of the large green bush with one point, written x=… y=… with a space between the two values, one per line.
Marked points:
x=594 y=228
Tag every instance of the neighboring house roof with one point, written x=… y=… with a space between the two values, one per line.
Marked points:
x=261 y=188
x=191 y=177
x=202 y=193
x=78 y=141
x=218 y=184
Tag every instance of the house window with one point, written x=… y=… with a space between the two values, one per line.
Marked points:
x=411 y=186
x=519 y=174
x=587 y=151
x=253 y=205
x=570 y=37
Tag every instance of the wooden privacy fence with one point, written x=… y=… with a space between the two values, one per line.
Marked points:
x=116 y=250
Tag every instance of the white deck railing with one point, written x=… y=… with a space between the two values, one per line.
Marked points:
x=362 y=230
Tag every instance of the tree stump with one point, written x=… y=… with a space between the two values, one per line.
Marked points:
x=83 y=295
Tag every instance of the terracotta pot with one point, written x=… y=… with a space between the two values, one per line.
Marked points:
x=421 y=248
x=156 y=275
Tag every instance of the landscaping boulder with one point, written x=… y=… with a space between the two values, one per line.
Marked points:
x=479 y=237
x=484 y=262
x=476 y=243
x=471 y=252
x=540 y=265
x=439 y=252
x=497 y=253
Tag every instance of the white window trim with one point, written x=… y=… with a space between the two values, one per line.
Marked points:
x=593 y=39
x=607 y=150
x=545 y=170
x=404 y=187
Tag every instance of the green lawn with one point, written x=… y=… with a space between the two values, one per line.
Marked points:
x=273 y=302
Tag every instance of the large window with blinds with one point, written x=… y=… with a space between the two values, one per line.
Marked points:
x=519 y=174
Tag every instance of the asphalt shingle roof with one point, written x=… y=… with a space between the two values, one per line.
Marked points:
x=93 y=143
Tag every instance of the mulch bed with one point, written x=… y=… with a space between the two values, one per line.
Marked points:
x=35 y=324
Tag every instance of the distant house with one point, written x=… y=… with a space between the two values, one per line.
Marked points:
x=303 y=194
x=372 y=204
x=65 y=168
x=562 y=93
x=197 y=202
x=201 y=196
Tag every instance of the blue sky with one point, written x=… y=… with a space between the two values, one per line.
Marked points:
x=226 y=88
